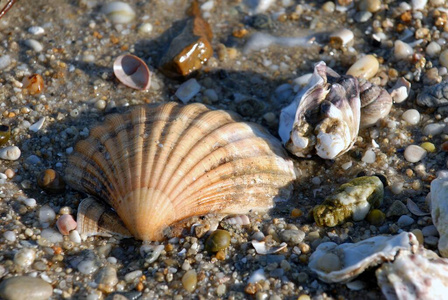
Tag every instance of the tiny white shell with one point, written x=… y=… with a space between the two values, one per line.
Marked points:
x=262 y=248
x=132 y=72
x=400 y=91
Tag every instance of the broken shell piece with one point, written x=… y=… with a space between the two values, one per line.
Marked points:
x=263 y=249
x=414 y=276
x=400 y=91
x=353 y=199
x=341 y=38
x=239 y=220
x=159 y=165
x=324 y=116
x=352 y=259
x=375 y=103
x=366 y=67
x=439 y=210
x=415 y=210
x=132 y=72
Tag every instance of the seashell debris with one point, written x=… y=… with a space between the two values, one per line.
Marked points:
x=158 y=165
x=349 y=260
x=353 y=199
x=132 y=72
x=439 y=210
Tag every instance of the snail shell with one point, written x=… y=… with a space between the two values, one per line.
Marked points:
x=158 y=165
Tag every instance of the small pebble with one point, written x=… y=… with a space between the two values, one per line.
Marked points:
x=433 y=49
x=38 y=125
x=25 y=257
x=75 y=237
x=33 y=160
x=418 y=234
x=329 y=262
x=362 y=16
x=5 y=134
x=411 y=116
x=292 y=236
x=118 y=12
x=443 y=58
x=370 y=5
x=9 y=235
x=10 y=153
x=397 y=208
x=418 y=4
x=402 y=50
x=46 y=214
x=431 y=241
x=34 y=45
x=366 y=67
x=397 y=187
x=428 y=146
x=190 y=280
x=107 y=278
x=369 y=157
x=100 y=104
x=131 y=276
x=5 y=61
x=188 y=90
x=433 y=129
x=145 y=28
x=30 y=202
x=36 y=30
x=52 y=235
x=404 y=221
x=376 y=217
x=414 y=153
x=430 y=230
x=65 y=224
x=33 y=85
x=218 y=240
x=88 y=266
x=51 y=182
x=25 y=288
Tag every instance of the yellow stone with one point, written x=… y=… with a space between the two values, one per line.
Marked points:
x=428 y=146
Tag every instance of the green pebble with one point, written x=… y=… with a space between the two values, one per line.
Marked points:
x=376 y=217
x=218 y=240
x=428 y=147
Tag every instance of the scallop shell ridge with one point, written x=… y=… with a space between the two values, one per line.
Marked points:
x=158 y=165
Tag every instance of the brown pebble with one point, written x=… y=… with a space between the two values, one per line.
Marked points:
x=10 y=173
x=33 y=84
x=250 y=289
x=221 y=255
x=51 y=182
x=295 y=213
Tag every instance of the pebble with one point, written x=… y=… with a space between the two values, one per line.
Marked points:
x=25 y=257
x=51 y=235
x=33 y=160
x=433 y=49
x=434 y=129
x=218 y=240
x=9 y=235
x=401 y=90
x=208 y=6
x=36 y=30
x=131 y=276
x=329 y=7
x=414 y=153
x=34 y=45
x=397 y=208
x=107 y=278
x=428 y=146
x=404 y=221
x=370 y=5
x=88 y=266
x=25 y=288
x=362 y=16
x=402 y=50
x=418 y=234
x=38 y=125
x=411 y=116
x=5 y=61
x=65 y=224
x=418 y=4
x=10 y=153
x=188 y=90
x=151 y=252
x=190 y=280
x=51 y=182
x=118 y=12
x=431 y=241
x=46 y=214
x=211 y=94
x=100 y=104
x=75 y=237
x=443 y=58
x=366 y=67
x=293 y=236
x=145 y=28
x=430 y=230
x=369 y=156
x=258 y=6
x=30 y=202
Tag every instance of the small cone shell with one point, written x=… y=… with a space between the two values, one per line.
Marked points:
x=158 y=165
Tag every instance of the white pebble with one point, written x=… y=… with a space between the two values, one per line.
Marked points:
x=369 y=157
x=433 y=129
x=5 y=61
x=46 y=214
x=207 y=6
x=258 y=6
x=188 y=90
x=402 y=50
x=74 y=236
x=118 y=12
x=411 y=116
x=87 y=267
x=34 y=45
x=9 y=235
x=36 y=30
x=145 y=28
x=347 y=165
x=129 y=277
x=414 y=153
x=433 y=49
x=397 y=187
x=30 y=202
x=25 y=257
x=443 y=58
x=38 y=125
x=257 y=276
x=366 y=67
x=10 y=153
x=419 y=4
x=52 y=235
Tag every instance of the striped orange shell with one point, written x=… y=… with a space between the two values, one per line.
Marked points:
x=159 y=164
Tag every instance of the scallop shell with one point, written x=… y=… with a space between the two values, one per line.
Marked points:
x=159 y=165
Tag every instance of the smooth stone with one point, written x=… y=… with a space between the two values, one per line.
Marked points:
x=10 y=236
x=36 y=30
x=25 y=257
x=34 y=45
x=88 y=266
x=362 y=16
x=366 y=67
x=434 y=129
x=10 y=153
x=52 y=235
x=369 y=157
x=293 y=236
x=118 y=12
x=402 y=50
x=370 y=5
x=107 y=276
x=443 y=58
x=258 y=6
x=188 y=90
x=75 y=237
x=397 y=208
x=418 y=4
x=46 y=214
x=414 y=153
x=439 y=211
x=430 y=230
x=404 y=221
x=33 y=160
x=131 y=276
x=433 y=241
x=190 y=280
x=411 y=116
x=433 y=49
x=25 y=288
x=5 y=61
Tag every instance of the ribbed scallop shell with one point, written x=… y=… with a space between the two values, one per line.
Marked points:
x=158 y=165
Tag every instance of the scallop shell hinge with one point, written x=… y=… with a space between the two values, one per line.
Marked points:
x=158 y=165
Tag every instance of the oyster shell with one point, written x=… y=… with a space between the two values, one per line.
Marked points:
x=411 y=276
x=353 y=199
x=161 y=164
x=353 y=259
x=324 y=117
x=439 y=209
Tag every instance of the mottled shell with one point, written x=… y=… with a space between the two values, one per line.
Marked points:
x=158 y=165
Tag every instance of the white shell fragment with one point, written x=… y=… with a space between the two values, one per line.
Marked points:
x=188 y=90
x=439 y=210
x=38 y=125
x=238 y=220
x=349 y=260
x=10 y=153
x=341 y=37
x=400 y=91
x=415 y=210
x=132 y=72
x=366 y=67
x=36 y=30
x=414 y=276
x=263 y=249
x=322 y=118
x=118 y=12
